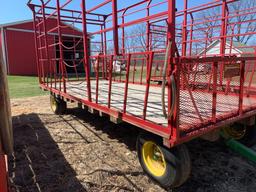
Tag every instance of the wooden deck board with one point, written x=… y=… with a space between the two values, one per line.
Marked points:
x=135 y=101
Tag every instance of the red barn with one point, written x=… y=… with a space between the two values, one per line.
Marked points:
x=18 y=45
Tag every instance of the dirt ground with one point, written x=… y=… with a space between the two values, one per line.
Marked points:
x=84 y=152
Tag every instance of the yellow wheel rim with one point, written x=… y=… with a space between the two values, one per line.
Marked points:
x=235 y=132
x=53 y=104
x=153 y=158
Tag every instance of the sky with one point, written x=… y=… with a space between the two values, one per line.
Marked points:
x=17 y=10
x=14 y=10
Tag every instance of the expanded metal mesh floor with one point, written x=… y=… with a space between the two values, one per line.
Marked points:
x=195 y=108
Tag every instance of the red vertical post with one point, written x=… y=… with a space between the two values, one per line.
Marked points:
x=86 y=52
x=97 y=78
x=252 y=74
x=223 y=36
x=214 y=94
x=36 y=44
x=61 y=61
x=241 y=93
x=115 y=27
x=172 y=122
x=142 y=68
x=148 y=28
x=120 y=74
x=104 y=62
x=41 y=58
x=206 y=43
x=126 y=82
x=191 y=34
x=230 y=52
x=156 y=68
x=148 y=44
x=123 y=33
x=134 y=70
x=46 y=41
x=151 y=57
x=102 y=50
x=184 y=37
x=110 y=81
x=184 y=29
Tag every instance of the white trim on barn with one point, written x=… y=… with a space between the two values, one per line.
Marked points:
x=30 y=20
x=31 y=31
x=214 y=49
x=16 y=23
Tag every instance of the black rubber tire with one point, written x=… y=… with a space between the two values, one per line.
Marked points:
x=61 y=106
x=249 y=138
x=178 y=163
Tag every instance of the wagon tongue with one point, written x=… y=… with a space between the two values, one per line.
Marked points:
x=238 y=147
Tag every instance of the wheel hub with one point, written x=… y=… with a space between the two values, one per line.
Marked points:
x=154 y=158
x=53 y=104
x=235 y=132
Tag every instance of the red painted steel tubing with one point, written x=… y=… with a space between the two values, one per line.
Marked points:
x=97 y=79
x=184 y=29
x=86 y=52
x=222 y=36
x=98 y=6
x=241 y=93
x=60 y=47
x=171 y=38
x=115 y=27
x=126 y=82
x=141 y=73
x=150 y=62
x=110 y=80
x=252 y=74
x=36 y=47
x=41 y=64
x=134 y=71
x=214 y=94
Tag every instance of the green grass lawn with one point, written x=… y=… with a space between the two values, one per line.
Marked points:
x=24 y=86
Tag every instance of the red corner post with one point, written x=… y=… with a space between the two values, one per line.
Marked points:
x=115 y=27
x=3 y=172
x=173 y=121
x=61 y=61
x=86 y=51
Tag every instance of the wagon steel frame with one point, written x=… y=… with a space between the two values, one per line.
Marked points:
x=181 y=61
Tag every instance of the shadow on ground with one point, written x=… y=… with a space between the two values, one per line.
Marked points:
x=37 y=163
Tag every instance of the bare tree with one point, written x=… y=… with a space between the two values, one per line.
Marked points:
x=244 y=23
x=238 y=21
x=139 y=38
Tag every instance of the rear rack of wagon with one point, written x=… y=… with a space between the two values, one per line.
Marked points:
x=169 y=69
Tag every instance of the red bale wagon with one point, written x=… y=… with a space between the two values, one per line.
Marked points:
x=152 y=64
